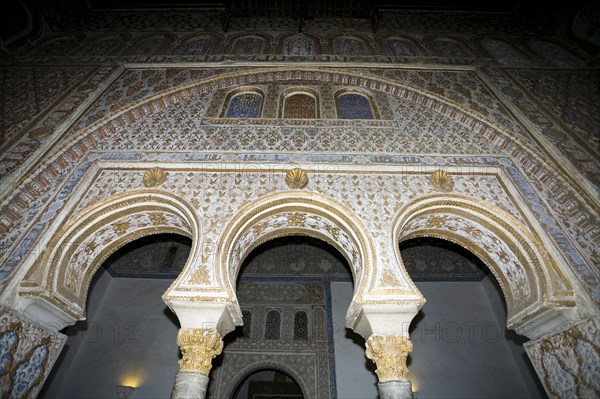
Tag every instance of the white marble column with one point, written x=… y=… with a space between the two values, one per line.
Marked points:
x=198 y=348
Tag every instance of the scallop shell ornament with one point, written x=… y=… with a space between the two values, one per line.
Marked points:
x=442 y=181
x=296 y=178
x=154 y=177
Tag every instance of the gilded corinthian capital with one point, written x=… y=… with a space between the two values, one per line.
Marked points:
x=198 y=347
x=389 y=353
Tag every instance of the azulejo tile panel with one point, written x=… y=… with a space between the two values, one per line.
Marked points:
x=568 y=362
x=27 y=352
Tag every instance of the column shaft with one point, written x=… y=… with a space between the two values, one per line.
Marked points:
x=189 y=385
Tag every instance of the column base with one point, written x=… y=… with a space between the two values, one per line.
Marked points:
x=190 y=385
x=395 y=390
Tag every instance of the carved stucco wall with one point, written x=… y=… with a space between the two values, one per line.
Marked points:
x=308 y=360
x=447 y=102
x=147 y=137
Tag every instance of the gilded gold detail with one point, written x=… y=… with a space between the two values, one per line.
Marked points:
x=389 y=353
x=334 y=231
x=198 y=347
x=154 y=177
x=473 y=232
x=389 y=279
x=436 y=221
x=297 y=219
x=200 y=276
x=158 y=219
x=122 y=227
x=258 y=228
x=442 y=181
x=296 y=178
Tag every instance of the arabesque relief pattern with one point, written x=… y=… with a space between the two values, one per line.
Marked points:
x=64 y=268
x=207 y=189
x=474 y=104
x=178 y=141
x=299 y=141
x=223 y=192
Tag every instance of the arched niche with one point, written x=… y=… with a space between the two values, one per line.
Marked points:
x=531 y=281
x=243 y=103
x=299 y=376
x=283 y=214
x=59 y=280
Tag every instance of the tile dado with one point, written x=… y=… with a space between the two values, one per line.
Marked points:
x=29 y=351
x=568 y=361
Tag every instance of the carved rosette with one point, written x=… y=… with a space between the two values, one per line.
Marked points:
x=442 y=181
x=199 y=347
x=154 y=177
x=296 y=178
x=389 y=353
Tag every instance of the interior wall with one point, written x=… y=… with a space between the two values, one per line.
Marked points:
x=460 y=350
x=460 y=345
x=129 y=338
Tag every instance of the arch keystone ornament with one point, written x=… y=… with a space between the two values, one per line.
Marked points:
x=154 y=177
x=442 y=181
x=296 y=179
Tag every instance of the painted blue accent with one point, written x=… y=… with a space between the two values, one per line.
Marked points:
x=245 y=105
x=354 y=106
x=8 y=340
x=538 y=208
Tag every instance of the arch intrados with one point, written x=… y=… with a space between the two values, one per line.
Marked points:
x=230 y=258
x=258 y=215
x=264 y=366
x=475 y=250
x=283 y=233
x=513 y=233
x=45 y=280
